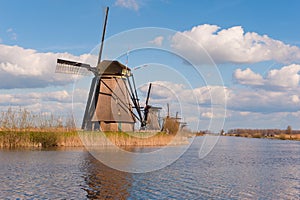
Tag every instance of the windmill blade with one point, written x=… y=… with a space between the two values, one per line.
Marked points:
x=103 y=35
x=147 y=107
x=148 y=94
x=71 y=67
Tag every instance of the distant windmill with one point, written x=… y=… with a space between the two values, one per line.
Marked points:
x=113 y=103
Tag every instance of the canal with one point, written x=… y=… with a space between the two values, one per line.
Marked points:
x=236 y=168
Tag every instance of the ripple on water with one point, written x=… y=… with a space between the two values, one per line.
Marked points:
x=237 y=168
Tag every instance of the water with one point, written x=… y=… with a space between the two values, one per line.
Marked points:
x=237 y=168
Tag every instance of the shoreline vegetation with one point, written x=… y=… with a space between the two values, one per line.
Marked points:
x=21 y=129
x=287 y=134
x=45 y=139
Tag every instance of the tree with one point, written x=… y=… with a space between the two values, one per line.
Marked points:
x=222 y=132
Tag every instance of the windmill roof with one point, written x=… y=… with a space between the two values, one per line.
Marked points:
x=112 y=67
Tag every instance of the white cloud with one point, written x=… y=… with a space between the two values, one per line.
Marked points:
x=207 y=115
x=25 y=99
x=129 y=4
x=204 y=103
x=231 y=45
x=27 y=68
x=243 y=113
x=246 y=103
x=165 y=92
x=295 y=99
x=247 y=77
x=157 y=41
x=258 y=120
x=59 y=103
x=277 y=92
x=12 y=34
x=286 y=78
x=263 y=101
x=210 y=115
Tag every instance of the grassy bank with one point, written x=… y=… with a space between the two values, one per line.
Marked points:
x=265 y=133
x=22 y=128
x=44 y=139
x=15 y=139
x=280 y=137
x=131 y=139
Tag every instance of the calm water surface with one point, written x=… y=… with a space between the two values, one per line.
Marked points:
x=237 y=168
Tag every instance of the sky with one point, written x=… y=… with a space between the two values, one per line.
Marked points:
x=220 y=64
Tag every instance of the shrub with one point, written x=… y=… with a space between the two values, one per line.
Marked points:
x=282 y=137
x=257 y=135
x=46 y=139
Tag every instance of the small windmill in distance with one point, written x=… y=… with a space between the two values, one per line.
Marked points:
x=113 y=103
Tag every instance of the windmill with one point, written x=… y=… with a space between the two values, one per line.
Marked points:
x=113 y=103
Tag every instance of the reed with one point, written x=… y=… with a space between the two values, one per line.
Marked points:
x=44 y=139
x=21 y=128
x=23 y=120
x=131 y=139
x=256 y=135
x=288 y=136
x=282 y=136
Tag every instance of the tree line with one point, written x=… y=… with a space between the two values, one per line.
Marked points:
x=262 y=132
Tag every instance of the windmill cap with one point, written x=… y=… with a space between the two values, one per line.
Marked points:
x=113 y=67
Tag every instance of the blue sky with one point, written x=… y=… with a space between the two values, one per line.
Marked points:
x=259 y=63
x=47 y=25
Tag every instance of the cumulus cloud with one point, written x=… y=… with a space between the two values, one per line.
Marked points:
x=285 y=78
x=164 y=91
x=278 y=91
x=27 y=68
x=157 y=41
x=30 y=98
x=232 y=45
x=247 y=77
x=242 y=103
x=129 y=4
x=246 y=100
x=202 y=106
x=258 y=120
x=263 y=101
x=188 y=101
x=59 y=103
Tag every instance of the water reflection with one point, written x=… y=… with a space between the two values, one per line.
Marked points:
x=103 y=182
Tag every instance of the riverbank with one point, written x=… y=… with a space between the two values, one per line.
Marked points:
x=279 y=137
x=44 y=139
x=282 y=134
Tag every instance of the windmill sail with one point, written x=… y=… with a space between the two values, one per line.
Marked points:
x=71 y=67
